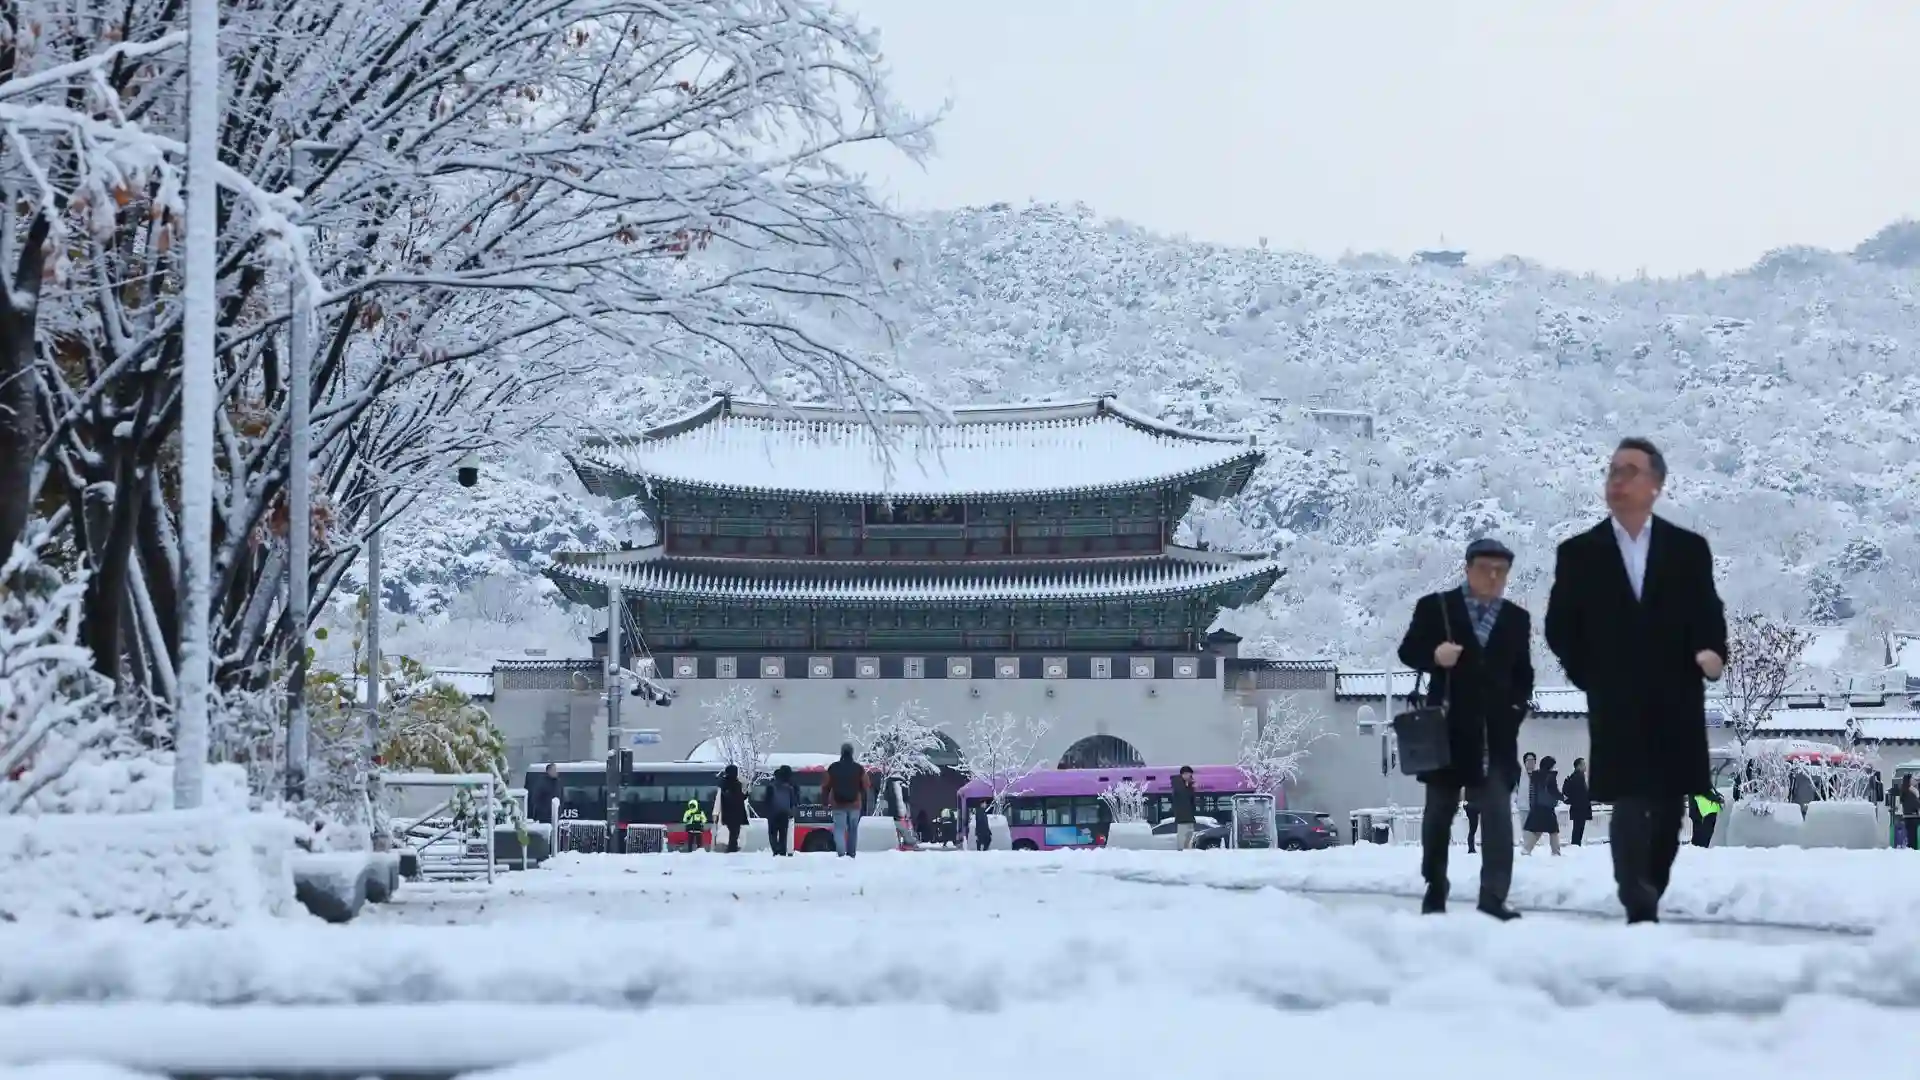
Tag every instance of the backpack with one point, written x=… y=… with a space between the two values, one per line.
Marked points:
x=846 y=782
x=780 y=797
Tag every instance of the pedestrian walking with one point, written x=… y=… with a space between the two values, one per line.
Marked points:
x=694 y=820
x=1543 y=813
x=1473 y=645
x=844 y=790
x=783 y=796
x=1636 y=622
x=1523 y=792
x=1472 y=810
x=733 y=806
x=1183 y=806
x=1579 y=802
x=1704 y=810
x=982 y=827
x=1910 y=811
x=922 y=827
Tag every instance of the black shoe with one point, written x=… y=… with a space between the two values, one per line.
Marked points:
x=1434 y=903
x=1642 y=915
x=1499 y=911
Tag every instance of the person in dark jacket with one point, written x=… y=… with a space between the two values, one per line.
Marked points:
x=1579 y=803
x=1473 y=645
x=1183 y=807
x=1543 y=813
x=844 y=790
x=982 y=827
x=1909 y=797
x=541 y=793
x=1637 y=623
x=733 y=806
x=783 y=796
x=922 y=826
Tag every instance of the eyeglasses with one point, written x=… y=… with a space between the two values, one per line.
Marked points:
x=1625 y=472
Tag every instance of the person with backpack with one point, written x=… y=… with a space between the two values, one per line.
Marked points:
x=783 y=796
x=733 y=807
x=844 y=790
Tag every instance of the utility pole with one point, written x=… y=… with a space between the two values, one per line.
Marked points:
x=198 y=400
x=299 y=498
x=375 y=507
x=615 y=607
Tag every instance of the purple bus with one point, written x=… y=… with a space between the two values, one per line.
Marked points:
x=1062 y=808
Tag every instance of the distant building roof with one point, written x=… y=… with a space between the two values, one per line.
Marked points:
x=584 y=577
x=1440 y=258
x=1373 y=684
x=812 y=451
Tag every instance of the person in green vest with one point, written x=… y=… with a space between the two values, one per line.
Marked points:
x=695 y=819
x=1705 y=812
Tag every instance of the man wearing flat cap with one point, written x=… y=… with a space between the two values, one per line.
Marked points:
x=1637 y=623
x=1473 y=645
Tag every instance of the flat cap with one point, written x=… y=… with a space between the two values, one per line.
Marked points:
x=1488 y=548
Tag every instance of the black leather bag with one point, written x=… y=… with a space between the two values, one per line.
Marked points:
x=1421 y=732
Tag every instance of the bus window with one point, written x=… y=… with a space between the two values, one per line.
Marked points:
x=1087 y=811
x=1025 y=812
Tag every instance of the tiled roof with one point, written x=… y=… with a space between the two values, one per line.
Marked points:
x=1891 y=727
x=1559 y=701
x=474 y=684
x=825 y=452
x=1372 y=684
x=1250 y=663
x=583 y=577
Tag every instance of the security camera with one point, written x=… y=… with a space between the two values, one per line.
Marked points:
x=468 y=471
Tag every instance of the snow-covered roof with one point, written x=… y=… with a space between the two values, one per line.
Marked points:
x=1372 y=684
x=651 y=572
x=1559 y=701
x=474 y=684
x=813 y=451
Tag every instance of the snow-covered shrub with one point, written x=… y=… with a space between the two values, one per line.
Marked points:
x=51 y=701
x=897 y=744
x=1126 y=801
x=740 y=733
x=1000 y=750
x=1273 y=745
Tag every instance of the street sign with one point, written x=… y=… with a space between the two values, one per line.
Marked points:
x=643 y=736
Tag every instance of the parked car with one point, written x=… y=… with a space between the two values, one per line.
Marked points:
x=1207 y=833
x=1304 y=831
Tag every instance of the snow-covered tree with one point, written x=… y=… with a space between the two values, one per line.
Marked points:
x=897 y=744
x=1274 y=742
x=740 y=733
x=1126 y=800
x=1001 y=750
x=1764 y=657
x=483 y=201
x=50 y=698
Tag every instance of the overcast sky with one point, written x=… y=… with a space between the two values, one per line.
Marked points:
x=1617 y=137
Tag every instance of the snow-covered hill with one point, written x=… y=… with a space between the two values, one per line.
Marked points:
x=1787 y=399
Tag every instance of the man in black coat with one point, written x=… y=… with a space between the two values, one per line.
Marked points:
x=1474 y=645
x=1637 y=623
x=1579 y=800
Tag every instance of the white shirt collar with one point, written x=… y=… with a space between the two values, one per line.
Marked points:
x=1626 y=538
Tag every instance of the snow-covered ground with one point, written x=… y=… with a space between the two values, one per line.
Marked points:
x=1171 y=963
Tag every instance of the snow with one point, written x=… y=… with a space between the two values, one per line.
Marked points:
x=651 y=571
x=753 y=447
x=966 y=962
x=189 y=867
x=1372 y=684
x=134 y=785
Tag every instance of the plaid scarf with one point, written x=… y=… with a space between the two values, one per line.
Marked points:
x=1483 y=614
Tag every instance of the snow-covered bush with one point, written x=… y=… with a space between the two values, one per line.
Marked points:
x=897 y=744
x=1000 y=750
x=51 y=700
x=739 y=733
x=1274 y=742
x=1126 y=801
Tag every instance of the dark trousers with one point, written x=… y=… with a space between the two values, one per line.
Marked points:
x=1913 y=831
x=777 y=826
x=1473 y=825
x=693 y=837
x=1496 y=849
x=1579 y=830
x=733 y=839
x=1645 y=839
x=1703 y=831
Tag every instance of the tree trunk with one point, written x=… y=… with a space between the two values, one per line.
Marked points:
x=19 y=427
